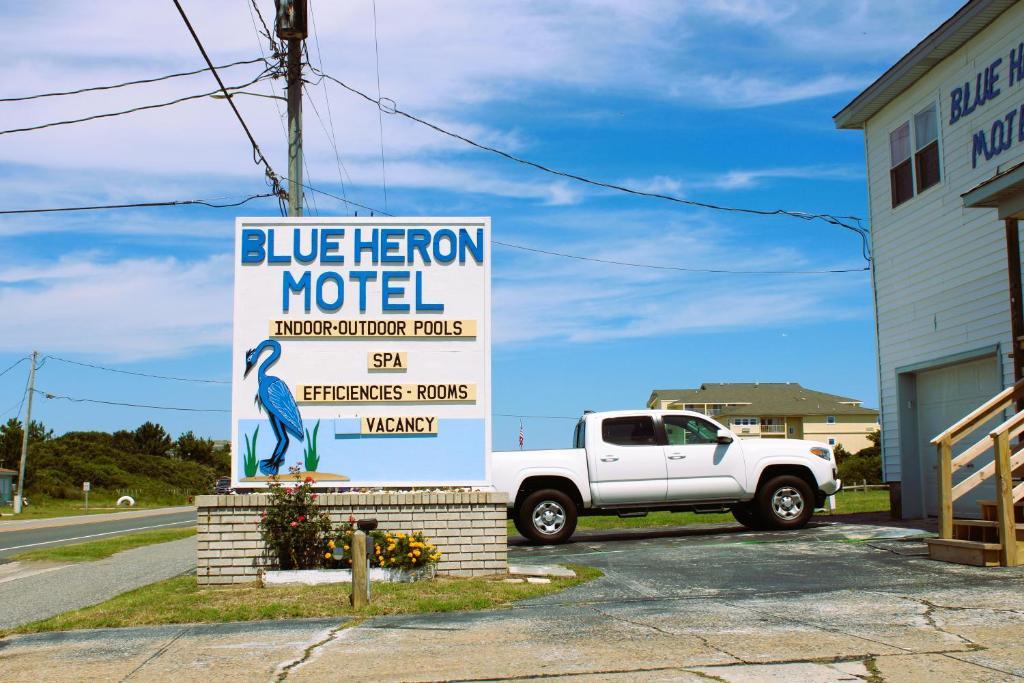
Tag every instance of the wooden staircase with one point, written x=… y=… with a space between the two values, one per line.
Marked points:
x=997 y=539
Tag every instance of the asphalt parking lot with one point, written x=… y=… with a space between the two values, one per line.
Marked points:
x=833 y=602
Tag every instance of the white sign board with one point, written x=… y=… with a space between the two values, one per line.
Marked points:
x=85 y=486
x=362 y=351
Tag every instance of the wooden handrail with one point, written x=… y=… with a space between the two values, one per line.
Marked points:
x=1014 y=424
x=1003 y=464
x=984 y=473
x=1013 y=428
x=1018 y=493
x=981 y=414
x=971 y=453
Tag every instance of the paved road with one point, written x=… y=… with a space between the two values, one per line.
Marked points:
x=62 y=530
x=67 y=587
x=829 y=603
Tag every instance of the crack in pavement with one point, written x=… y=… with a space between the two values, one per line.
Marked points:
x=929 y=617
x=823 y=627
x=159 y=651
x=284 y=669
x=702 y=639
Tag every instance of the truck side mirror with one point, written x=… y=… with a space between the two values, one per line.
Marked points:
x=724 y=436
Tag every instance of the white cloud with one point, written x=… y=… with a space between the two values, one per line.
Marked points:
x=572 y=301
x=126 y=309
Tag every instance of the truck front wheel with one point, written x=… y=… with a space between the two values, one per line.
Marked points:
x=747 y=515
x=784 y=502
x=547 y=516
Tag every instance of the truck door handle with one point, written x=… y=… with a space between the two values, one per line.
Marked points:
x=610 y=458
x=676 y=457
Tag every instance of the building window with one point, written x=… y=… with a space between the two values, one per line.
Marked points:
x=831 y=419
x=831 y=442
x=901 y=175
x=926 y=146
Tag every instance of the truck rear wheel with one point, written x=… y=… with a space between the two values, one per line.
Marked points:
x=547 y=516
x=784 y=502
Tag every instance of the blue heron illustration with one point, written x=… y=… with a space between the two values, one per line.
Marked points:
x=276 y=399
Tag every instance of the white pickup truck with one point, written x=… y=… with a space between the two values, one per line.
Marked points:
x=632 y=462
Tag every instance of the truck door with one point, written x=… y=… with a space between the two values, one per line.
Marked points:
x=629 y=462
x=700 y=468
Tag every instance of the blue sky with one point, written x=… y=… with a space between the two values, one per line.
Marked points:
x=724 y=102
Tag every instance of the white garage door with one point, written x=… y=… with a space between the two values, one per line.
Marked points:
x=943 y=397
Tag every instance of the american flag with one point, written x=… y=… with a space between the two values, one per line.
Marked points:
x=521 y=437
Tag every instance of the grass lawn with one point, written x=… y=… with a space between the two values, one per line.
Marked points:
x=846 y=502
x=181 y=601
x=40 y=508
x=97 y=550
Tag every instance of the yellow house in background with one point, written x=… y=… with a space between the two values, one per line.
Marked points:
x=762 y=410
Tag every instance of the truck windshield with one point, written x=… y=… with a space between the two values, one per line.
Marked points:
x=578 y=437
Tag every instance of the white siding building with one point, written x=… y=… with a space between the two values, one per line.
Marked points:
x=945 y=119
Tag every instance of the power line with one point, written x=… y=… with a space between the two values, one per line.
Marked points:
x=50 y=395
x=679 y=268
x=258 y=157
x=16 y=364
x=827 y=218
x=380 y=113
x=627 y=263
x=123 y=112
x=126 y=83
x=139 y=374
x=536 y=417
x=139 y=205
x=343 y=199
x=331 y=137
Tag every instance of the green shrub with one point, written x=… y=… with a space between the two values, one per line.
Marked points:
x=294 y=528
x=58 y=466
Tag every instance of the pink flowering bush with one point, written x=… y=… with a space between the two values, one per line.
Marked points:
x=294 y=528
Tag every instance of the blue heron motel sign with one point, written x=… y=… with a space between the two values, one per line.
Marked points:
x=362 y=351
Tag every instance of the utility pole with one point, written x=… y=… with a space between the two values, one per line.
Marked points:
x=291 y=26
x=24 y=436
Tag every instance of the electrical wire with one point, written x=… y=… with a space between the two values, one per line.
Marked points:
x=343 y=199
x=138 y=374
x=24 y=394
x=258 y=156
x=380 y=112
x=536 y=417
x=138 y=205
x=16 y=364
x=51 y=395
x=721 y=271
x=127 y=83
x=123 y=112
x=344 y=195
x=679 y=268
x=839 y=221
x=331 y=137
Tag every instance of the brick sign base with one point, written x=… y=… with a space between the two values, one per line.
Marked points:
x=467 y=527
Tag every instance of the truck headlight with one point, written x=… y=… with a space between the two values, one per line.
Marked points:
x=822 y=452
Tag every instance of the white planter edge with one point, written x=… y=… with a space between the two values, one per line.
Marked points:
x=316 y=577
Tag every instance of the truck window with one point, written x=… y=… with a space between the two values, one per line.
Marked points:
x=579 y=436
x=629 y=431
x=685 y=430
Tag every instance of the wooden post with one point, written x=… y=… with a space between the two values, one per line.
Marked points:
x=1016 y=308
x=360 y=596
x=945 y=477
x=1004 y=501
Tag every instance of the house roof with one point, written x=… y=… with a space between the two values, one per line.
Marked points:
x=4 y=470
x=968 y=21
x=765 y=398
